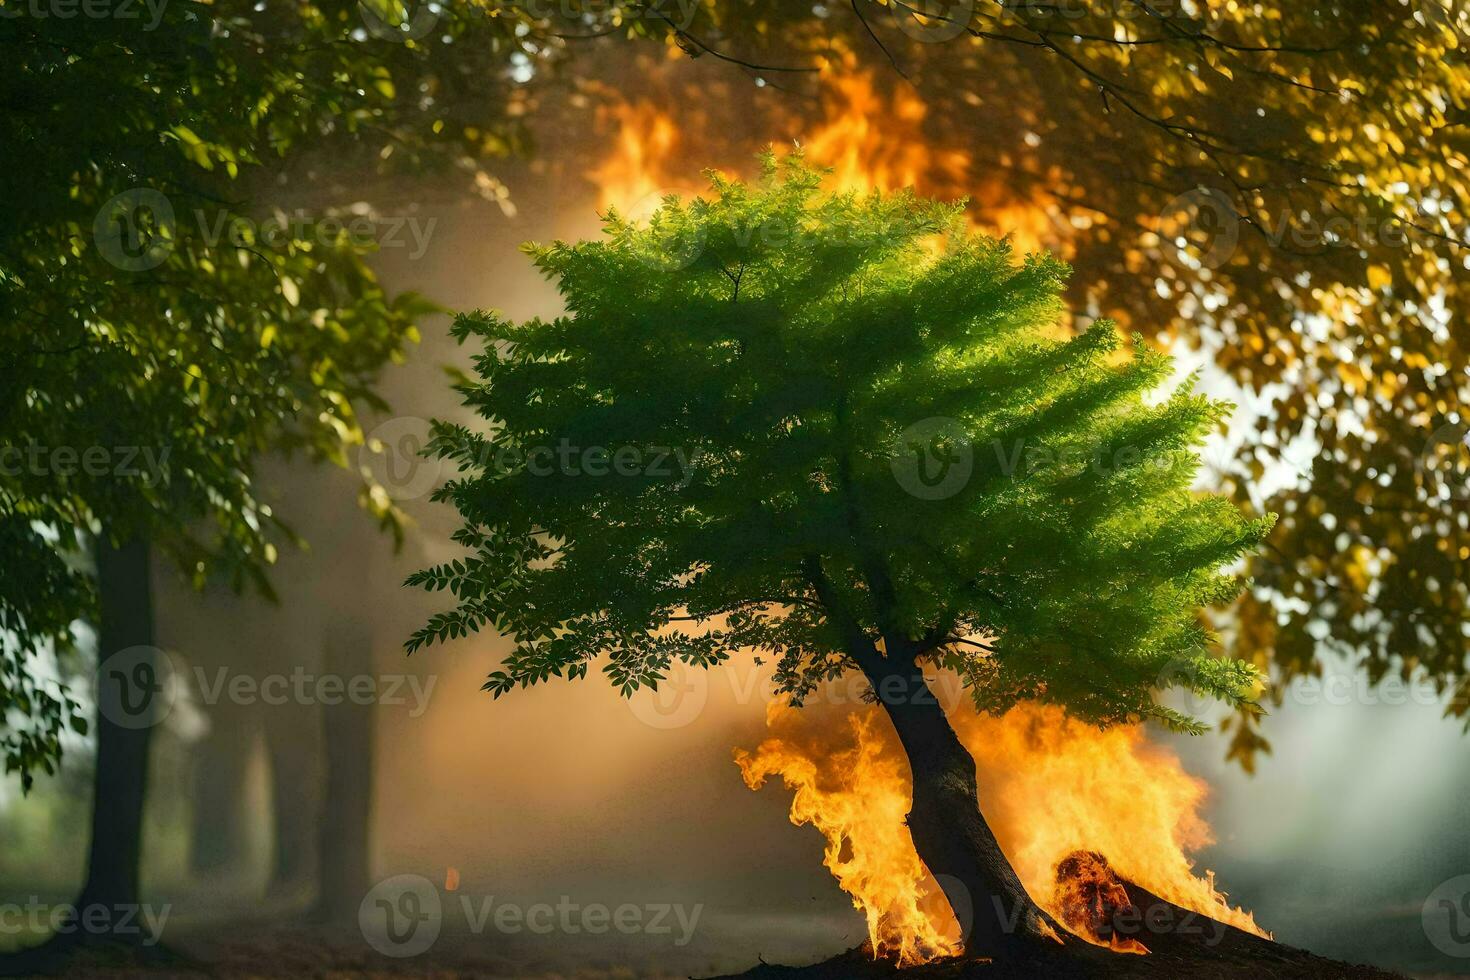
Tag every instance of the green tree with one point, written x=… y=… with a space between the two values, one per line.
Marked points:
x=1280 y=184
x=893 y=462
x=162 y=329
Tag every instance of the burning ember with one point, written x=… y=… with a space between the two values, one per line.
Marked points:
x=1088 y=895
x=1050 y=788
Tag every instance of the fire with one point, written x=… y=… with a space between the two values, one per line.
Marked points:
x=873 y=142
x=1049 y=786
x=638 y=172
x=853 y=787
x=870 y=139
x=1088 y=893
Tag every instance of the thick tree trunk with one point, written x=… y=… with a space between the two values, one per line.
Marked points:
x=998 y=917
x=345 y=845
x=131 y=697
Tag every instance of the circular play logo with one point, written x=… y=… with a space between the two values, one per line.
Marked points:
x=933 y=21
x=393 y=455
x=398 y=20
x=1447 y=917
x=401 y=916
x=933 y=459
x=135 y=687
x=677 y=700
x=1444 y=463
x=135 y=229
x=1200 y=226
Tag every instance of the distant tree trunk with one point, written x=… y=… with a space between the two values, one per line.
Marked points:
x=221 y=808
x=346 y=817
x=129 y=703
x=949 y=832
x=293 y=741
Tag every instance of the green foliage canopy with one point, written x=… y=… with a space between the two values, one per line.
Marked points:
x=798 y=349
x=1281 y=184
x=154 y=343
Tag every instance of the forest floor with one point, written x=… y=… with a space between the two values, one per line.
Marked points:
x=255 y=950
x=1207 y=950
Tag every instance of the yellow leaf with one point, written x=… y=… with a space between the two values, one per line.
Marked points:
x=267 y=335
x=290 y=291
x=1379 y=277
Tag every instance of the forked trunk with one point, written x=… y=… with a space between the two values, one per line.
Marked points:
x=997 y=916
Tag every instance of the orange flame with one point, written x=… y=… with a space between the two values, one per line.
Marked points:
x=854 y=788
x=870 y=140
x=1049 y=787
x=638 y=172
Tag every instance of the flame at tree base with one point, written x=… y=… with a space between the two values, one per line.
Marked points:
x=1087 y=896
x=1050 y=787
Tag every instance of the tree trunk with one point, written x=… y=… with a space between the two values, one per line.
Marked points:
x=293 y=743
x=219 y=842
x=346 y=817
x=132 y=697
x=997 y=916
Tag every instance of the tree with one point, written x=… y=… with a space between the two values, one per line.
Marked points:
x=892 y=462
x=163 y=330
x=1280 y=184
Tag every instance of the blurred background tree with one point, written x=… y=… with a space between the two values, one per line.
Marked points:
x=165 y=328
